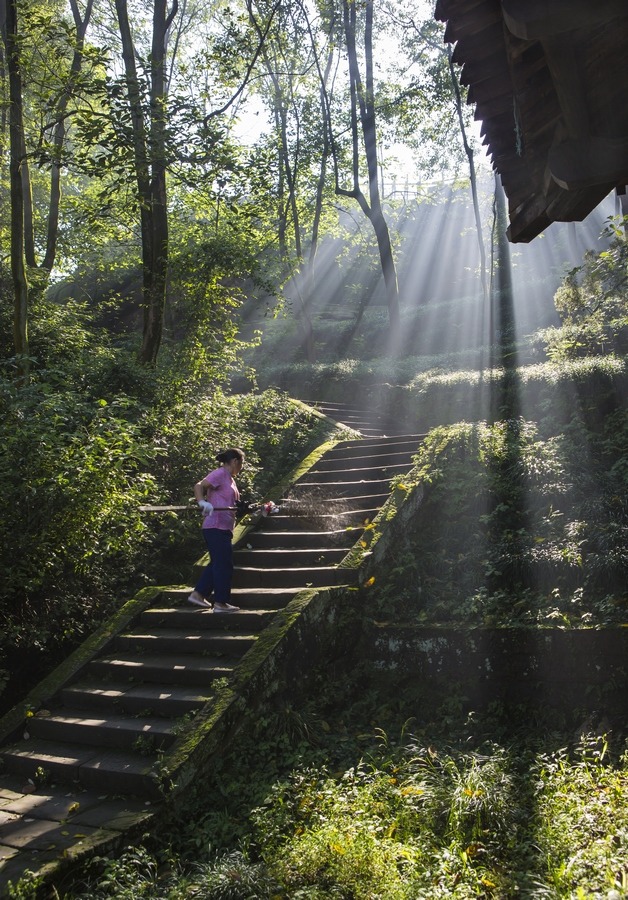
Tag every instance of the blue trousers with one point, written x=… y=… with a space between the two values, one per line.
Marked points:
x=217 y=575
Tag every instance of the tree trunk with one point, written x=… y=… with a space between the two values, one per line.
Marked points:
x=16 y=142
x=363 y=101
x=150 y=173
x=503 y=275
x=287 y=171
x=155 y=298
x=27 y=200
x=505 y=398
x=4 y=119
x=472 y=173
x=58 y=135
x=282 y=203
x=309 y=273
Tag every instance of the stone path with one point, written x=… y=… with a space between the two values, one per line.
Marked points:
x=79 y=776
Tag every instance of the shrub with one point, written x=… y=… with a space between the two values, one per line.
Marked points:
x=515 y=528
x=73 y=473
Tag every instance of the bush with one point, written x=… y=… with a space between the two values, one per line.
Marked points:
x=515 y=528
x=73 y=474
x=92 y=438
x=593 y=304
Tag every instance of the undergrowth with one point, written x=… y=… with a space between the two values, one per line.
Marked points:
x=343 y=796
x=516 y=528
x=76 y=470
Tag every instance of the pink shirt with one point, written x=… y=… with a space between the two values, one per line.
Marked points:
x=222 y=492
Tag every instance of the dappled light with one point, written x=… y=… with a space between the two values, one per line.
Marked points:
x=396 y=289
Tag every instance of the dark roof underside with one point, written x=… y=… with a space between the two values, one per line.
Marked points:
x=549 y=80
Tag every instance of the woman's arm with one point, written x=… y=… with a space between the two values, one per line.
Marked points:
x=202 y=488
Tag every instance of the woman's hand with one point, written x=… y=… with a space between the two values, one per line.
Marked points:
x=206 y=507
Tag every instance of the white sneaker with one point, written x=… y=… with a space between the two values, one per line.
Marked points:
x=226 y=607
x=196 y=600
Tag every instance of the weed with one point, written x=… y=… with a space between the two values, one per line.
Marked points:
x=144 y=744
x=183 y=722
x=231 y=876
x=27 y=888
x=41 y=777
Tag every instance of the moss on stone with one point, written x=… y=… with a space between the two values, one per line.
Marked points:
x=70 y=667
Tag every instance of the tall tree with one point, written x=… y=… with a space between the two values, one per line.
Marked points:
x=52 y=60
x=10 y=32
x=364 y=133
x=310 y=267
x=468 y=149
x=149 y=153
x=430 y=92
x=291 y=66
x=59 y=127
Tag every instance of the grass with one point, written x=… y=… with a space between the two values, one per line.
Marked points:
x=517 y=528
x=343 y=796
x=368 y=789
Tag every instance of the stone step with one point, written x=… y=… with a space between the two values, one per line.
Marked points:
x=362 y=512
x=375 y=446
x=357 y=473
x=193 y=618
x=364 y=421
x=182 y=641
x=260 y=600
x=341 y=412
x=356 y=419
x=282 y=540
x=190 y=670
x=363 y=426
x=289 y=558
x=343 y=489
x=322 y=576
x=306 y=501
x=402 y=459
x=121 y=732
x=167 y=700
x=366 y=425
x=108 y=772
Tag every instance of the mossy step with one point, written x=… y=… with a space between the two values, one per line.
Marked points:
x=165 y=700
x=400 y=442
x=264 y=600
x=373 y=472
x=358 y=419
x=382 y=423
x=322 y=576
x=176 y=640
x=193 y=618
x=385 y=458
x=343 y=489
x=107 y=772
x=305 y=505
x=291 y=557
x=368 y=468
x=72 y=726
x=362 y=425
x=284 y=540
x=359 y=514
x=197 y=670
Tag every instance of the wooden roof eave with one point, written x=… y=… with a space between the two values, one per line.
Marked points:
x=587 y=162
x=533 y=20
x=546 y=82
x=527 y=220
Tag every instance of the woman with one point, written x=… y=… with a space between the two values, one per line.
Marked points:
x=217 y=496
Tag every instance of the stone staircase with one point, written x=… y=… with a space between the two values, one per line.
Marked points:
x=105 y=731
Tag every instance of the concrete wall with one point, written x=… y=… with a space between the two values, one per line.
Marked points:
x=569 y=669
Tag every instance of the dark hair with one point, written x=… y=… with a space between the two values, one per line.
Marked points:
x=225 y=456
